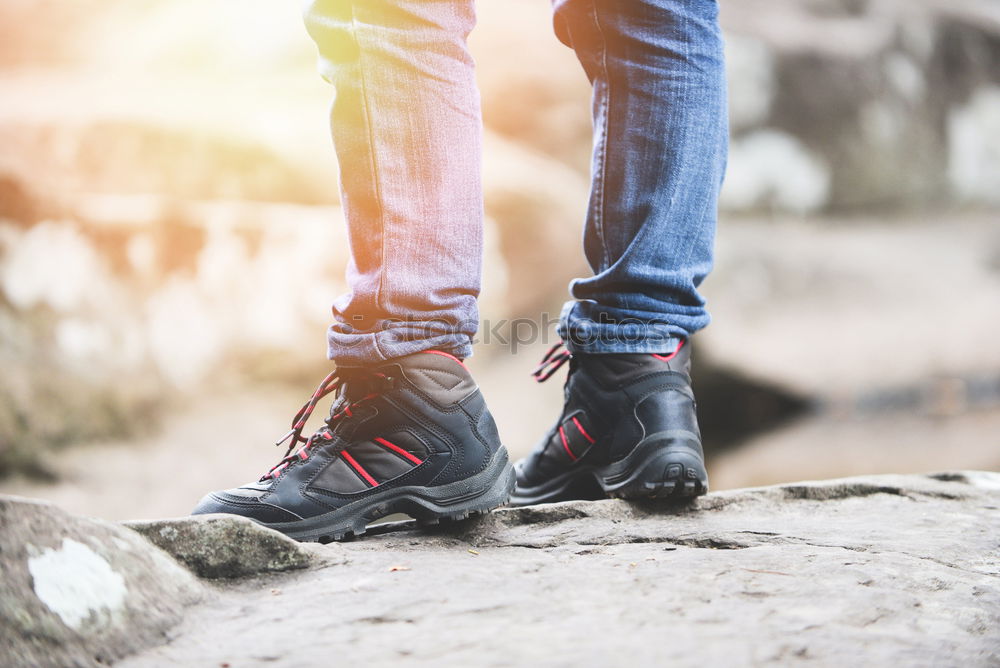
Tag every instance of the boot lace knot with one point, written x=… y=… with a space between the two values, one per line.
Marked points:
x=354 y=387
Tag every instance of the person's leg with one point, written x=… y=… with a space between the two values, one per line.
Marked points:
x=660 y=140
x=407 y=129
x=409 y=430
x=628 y=426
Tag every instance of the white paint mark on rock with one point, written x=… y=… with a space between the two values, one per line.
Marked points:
x=75 y=582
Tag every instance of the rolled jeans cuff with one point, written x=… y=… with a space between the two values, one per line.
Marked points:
x=351 y=347
x=588 y=328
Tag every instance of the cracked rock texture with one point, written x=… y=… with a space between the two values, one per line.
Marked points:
x=867 y=571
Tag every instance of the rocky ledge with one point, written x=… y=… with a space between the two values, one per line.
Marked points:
x=858 y=571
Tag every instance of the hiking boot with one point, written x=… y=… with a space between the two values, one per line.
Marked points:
x=412 y=435
x=628 y=430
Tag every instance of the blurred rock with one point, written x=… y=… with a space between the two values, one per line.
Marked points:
x=224 y=546
x=974 y=145
x=111 y=310
x=846 y=442
x=75 y=365
x=891 y=104
x=835 y=105
x=62 y=25
x=90 y=153
x=82 y=592
x=17 y=205
x=874 y=103
x=862 y=571
x=774 y=171
x=734 y=407
x=536 y=207
x=837 y=308
x=888 y=327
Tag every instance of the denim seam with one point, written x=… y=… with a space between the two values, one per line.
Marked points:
x=601 y=175
x=376 y=183
x=708 y=205
x=683 y=28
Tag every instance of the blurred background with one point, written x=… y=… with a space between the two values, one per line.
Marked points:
x=171 y=239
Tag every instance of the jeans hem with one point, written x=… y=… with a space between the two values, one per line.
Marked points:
x=363 y=348
x=582 y=334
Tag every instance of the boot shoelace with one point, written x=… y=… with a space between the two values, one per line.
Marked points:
x=553 y=360
x=332 y=383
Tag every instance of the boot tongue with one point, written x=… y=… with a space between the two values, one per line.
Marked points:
x=357 y=387
x=355 y=384
x=441 y=376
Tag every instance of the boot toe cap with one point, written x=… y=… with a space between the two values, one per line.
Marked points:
x=238 y=502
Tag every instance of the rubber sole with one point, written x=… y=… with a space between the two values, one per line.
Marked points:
x=476 y=495
x=665 y=465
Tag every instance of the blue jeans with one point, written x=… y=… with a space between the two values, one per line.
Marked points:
x=407 y=130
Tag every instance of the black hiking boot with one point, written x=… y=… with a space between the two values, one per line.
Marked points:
x=628 y=429
x=412 y=435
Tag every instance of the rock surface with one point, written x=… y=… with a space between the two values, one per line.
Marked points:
x=224 y=546
x=82 y=592
x=860 y=571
